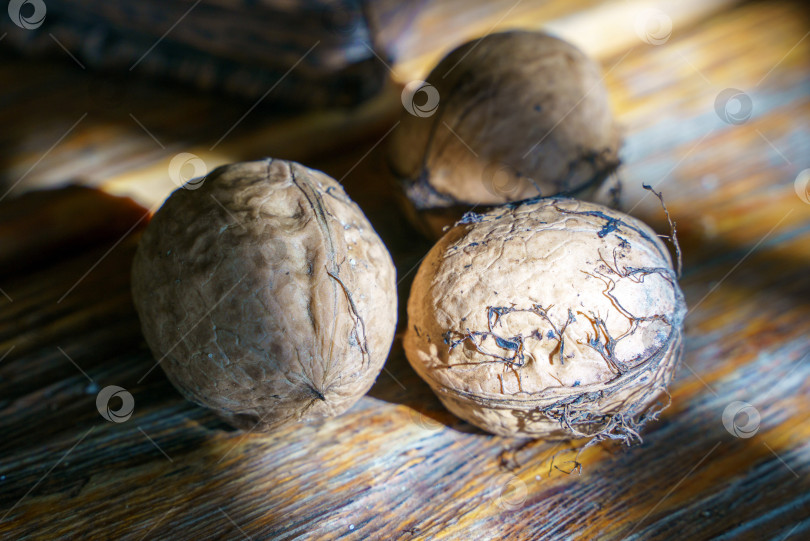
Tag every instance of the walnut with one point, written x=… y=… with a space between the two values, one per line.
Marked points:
x=519 y=114
x=265 y=294
x=550 y=318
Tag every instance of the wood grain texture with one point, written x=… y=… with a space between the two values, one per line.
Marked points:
x=417 y=35
x=397 y=465
x=304 y=53
x=241 y=48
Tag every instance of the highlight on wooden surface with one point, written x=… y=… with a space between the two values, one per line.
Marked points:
x=97 y=444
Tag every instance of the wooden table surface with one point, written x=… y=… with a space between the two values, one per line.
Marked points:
x=397 y=465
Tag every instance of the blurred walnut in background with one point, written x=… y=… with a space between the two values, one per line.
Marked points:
x=503 y=118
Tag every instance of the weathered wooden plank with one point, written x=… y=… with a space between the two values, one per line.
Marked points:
x=246 y=48
x=455 y=474
x=143 y=126
x=238 y=47
x=601 y=29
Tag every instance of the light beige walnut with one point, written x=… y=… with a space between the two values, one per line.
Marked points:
x=551 y=318
x=265 y=294
x=519 y=114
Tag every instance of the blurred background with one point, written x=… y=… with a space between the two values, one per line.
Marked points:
x=108 y=93
x=106 y=107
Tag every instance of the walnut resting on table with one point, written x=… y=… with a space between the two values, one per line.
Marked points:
x=265 y=294
x=552 y=318
x=503 y=118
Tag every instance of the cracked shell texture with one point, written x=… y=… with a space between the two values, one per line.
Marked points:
x=520 y=114
x=265 y=294
x=554 y=317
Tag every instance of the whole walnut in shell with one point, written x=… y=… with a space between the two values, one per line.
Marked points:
x=520 y=114
x=551 y=318
x=265 y=294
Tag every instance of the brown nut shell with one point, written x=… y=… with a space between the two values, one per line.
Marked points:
x=551 y=318
x=265 y=294
x=520 y=114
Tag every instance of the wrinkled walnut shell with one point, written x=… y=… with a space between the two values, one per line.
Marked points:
x=552 y=318
x=265 y=294
x=519 y=115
